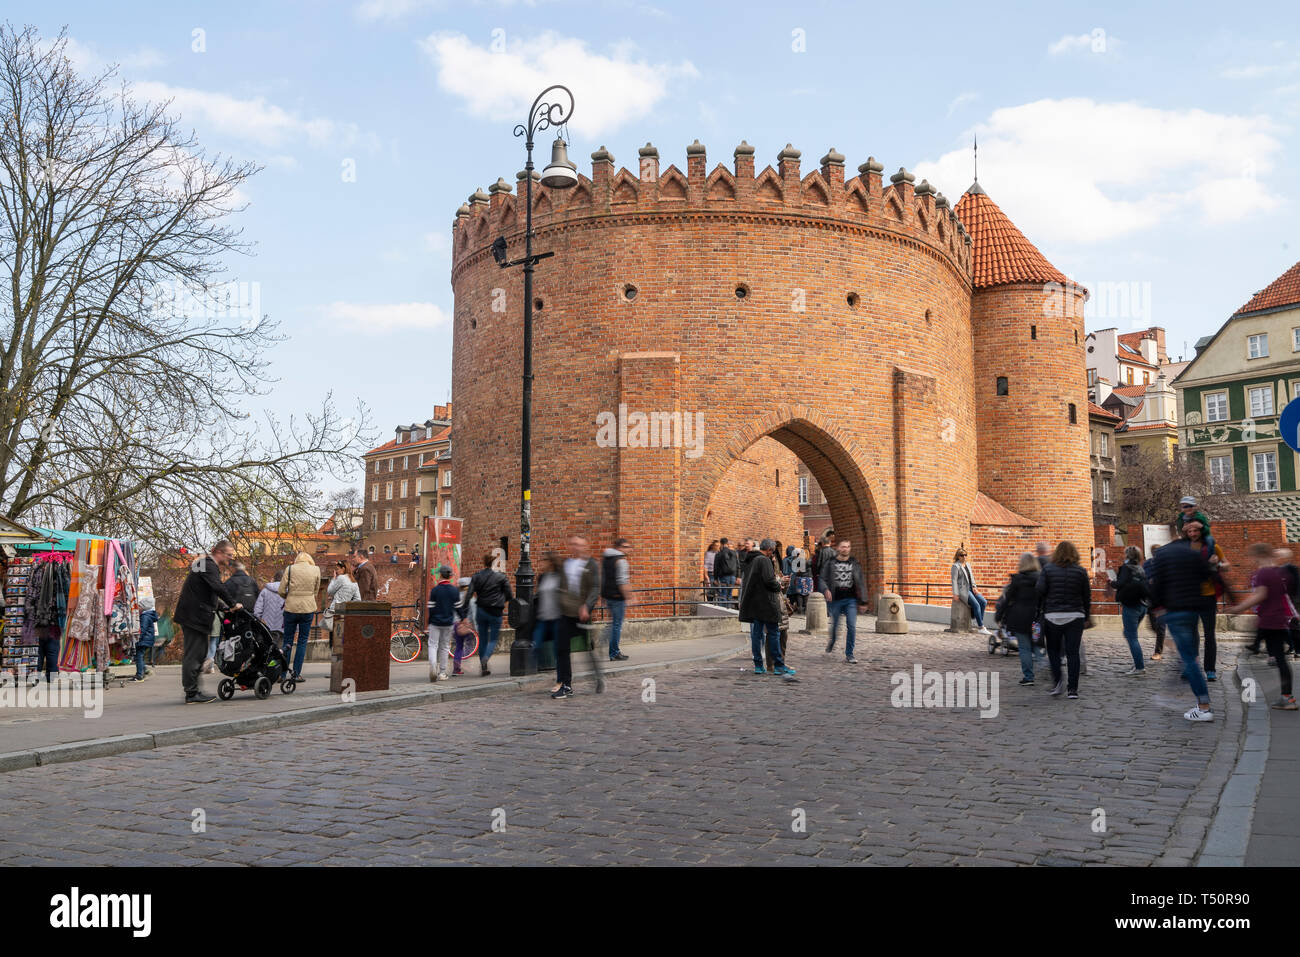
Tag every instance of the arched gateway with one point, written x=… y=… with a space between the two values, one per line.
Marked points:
x=924 y=363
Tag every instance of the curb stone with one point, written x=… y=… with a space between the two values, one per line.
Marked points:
x=1229 y=834
x=192 y=734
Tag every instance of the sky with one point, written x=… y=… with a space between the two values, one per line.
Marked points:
x=1149 y=150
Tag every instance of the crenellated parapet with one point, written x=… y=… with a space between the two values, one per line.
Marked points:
x=823 y=197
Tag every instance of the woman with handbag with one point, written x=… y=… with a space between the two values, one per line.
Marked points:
x=1066 y=593
x=464 y=626
x=342 y=588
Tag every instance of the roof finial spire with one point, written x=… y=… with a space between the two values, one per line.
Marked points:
x=976 y=138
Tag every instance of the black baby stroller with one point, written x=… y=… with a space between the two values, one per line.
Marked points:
x=249 y=657
x=1003 y=639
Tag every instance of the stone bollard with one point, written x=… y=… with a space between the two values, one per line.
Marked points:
x=891 y=617
x=816 y=613
x=960 y=623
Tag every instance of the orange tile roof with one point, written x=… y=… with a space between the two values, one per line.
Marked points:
x=1282 y=291
x=1095 y=409
x=1151 y=425
x=1132 y=391
x=1002 y=254
x=989 y=512
x=393 y=444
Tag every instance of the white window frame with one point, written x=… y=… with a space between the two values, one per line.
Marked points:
x=1255 y=457
x=388 y=491
x=388 y=521
x=428 y=431
x=1257 y=346
x=374 y=521
x=1259 y=390
x=375 y=490
x=1105 y=490
x=399 y=438
x=803 y=490
x=446 y=508
x=1208 y=406
x=1216 y=485
x=446 y=478
x=1105 y=444
x=404 y=495
x=401 y=519
x=1295 y=390
x=1295 y=339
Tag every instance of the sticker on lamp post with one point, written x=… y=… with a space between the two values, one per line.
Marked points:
x=1289 y=424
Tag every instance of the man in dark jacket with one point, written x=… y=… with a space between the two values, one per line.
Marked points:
x=1180 y=571
x=243 y=586
x=492 y=590
x=1156 y=621
x=845 y=590
x=200 y=594
x=760 y=605
x=1017 y=610
x=367 y=580
x=825 y=553
x=725 y=567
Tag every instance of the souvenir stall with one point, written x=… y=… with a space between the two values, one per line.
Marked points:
x=84 y=589
x=15 y=650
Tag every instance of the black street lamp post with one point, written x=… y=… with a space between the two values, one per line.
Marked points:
x=560 y=174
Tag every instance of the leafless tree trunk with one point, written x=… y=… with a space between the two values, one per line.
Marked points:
x=123 y=364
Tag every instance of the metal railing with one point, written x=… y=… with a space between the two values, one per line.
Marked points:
x=941 y=592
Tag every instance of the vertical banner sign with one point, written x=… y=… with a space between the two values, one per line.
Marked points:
x=441 y=547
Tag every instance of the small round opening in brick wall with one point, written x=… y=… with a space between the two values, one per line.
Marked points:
x=629 y=292
x=742 y=291
x=473 y=323
x=928 y=317
x=537 y=304
x=852 y=300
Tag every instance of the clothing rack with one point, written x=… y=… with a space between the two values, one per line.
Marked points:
x=16 y=652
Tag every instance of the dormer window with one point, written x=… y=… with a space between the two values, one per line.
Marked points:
x=399 y=437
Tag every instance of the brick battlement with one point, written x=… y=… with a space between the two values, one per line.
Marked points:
x=899 y=208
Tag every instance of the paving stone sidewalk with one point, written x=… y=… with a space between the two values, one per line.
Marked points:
x=707 y=765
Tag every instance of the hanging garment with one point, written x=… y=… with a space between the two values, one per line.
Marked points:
x=78 y=647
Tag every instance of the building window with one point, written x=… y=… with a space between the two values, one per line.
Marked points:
x=446 y=508
x=415 y=518
x=401 y=519
x=428 y=431
x=388 y=491
x=1257 y=346
x=1221 y=473
x=1092 y=377
x=1033 y=332
x=388 y=521
x=399 y=438
x=1074 y=414
x=1261 y=400
x=1216 y=407
x=1129 y=372
x=1265 y=471
x=803 y=490
x=403 y=488
x=375 y=490
x=1105 y=490
x=406 y=462
x=446 y=478
x=1103 y=440
x=1146 y=378
x=1295 y=390
x=1002 y=385
x=1295 y=339
x=374 y=521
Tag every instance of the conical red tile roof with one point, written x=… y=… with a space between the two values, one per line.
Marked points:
x=1002 y=253
x=1282 y=291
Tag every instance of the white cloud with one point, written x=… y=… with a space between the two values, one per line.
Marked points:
x=1096 y=41
x=388 y=316
x=961 y=99
x=254 y=120
x=609 y=91
x=1255 y=71
x=87 y=59
x=1078 y=170
x=436 y=242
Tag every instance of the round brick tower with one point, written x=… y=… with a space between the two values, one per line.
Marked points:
x=686 y=316
x=1031 y=402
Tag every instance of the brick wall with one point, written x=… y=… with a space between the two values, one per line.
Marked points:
x=1234 y=538
x=857 y=292
x=748 y=502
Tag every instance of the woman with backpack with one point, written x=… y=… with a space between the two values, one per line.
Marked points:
x=1066 y=594
x=1017 y=609
x=1133 y=595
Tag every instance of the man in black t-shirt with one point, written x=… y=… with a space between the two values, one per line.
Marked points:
x=845 y=590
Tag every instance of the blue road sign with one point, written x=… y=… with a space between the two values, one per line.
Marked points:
x=1289 y=424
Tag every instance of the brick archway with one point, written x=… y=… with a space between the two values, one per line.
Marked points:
x=837 y=461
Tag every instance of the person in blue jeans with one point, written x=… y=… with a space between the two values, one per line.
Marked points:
x=845 y=590
x=148 y=634
x=760 y=607
x=615 y=576
x=1180 y=571
x=490 y=590
x=963 y=589
x=1017 y=610
x=1131 y=592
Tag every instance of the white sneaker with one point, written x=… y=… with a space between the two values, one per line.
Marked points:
x=985 y=631
x=1133 y=673
x=442 y=676
x=1197 y=714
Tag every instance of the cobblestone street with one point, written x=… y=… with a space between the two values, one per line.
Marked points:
x=720 y=768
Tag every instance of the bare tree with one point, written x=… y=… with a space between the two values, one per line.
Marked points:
x=1151 y=485
x=123 y=360
x=346 y=508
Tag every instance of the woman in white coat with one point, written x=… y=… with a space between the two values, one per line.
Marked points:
x=342 y=588
x=963 y=589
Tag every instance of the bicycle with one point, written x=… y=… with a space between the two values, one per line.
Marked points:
x=405 y=642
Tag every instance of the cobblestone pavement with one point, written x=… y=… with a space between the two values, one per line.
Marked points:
x=720 y=768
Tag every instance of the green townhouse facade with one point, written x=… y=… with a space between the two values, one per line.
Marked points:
x=1231 y=395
